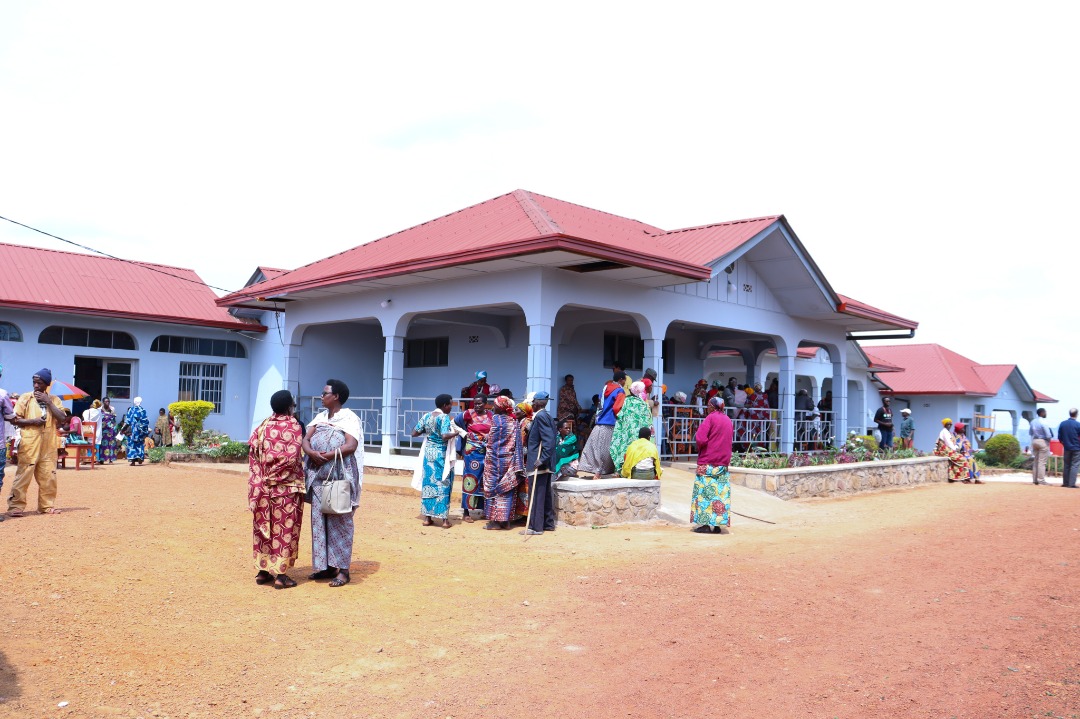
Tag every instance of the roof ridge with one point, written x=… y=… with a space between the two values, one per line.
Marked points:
x=593 y=209
x=541 y=220
x=719 y=224
x=98 y=256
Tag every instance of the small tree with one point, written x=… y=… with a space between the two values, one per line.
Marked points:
x=191 y=416
x=1002 y=449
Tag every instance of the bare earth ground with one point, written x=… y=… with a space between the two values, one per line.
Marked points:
x=941 y=601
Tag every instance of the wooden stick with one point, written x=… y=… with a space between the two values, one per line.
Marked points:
x=532 y=491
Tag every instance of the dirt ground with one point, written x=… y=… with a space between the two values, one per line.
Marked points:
x=942 y=601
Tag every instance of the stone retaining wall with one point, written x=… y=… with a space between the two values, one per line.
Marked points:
x=839 y=479
x=602 y=502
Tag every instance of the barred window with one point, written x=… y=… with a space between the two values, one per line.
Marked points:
x=198 y=346
x=429 y=352
x=202 y=381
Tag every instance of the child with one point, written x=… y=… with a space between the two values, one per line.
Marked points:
x=566 y=453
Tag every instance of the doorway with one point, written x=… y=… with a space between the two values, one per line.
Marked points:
x=104 y=378
x=88 y=377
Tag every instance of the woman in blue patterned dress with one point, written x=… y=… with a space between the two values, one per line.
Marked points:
x=138 y=426
x=438 y=479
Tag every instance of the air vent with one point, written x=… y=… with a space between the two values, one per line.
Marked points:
x=599 y=266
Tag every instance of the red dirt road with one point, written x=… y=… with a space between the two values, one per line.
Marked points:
x=942 y=601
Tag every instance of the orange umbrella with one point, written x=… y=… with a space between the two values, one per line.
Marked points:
x=66 y=391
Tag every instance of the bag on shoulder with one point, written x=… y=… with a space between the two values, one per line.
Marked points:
x=336 y=495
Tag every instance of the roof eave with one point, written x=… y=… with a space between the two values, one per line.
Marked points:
x=543 y=243
x=218 y=324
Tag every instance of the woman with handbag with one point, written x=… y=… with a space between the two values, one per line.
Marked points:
x=334 y=477
x=276 y=491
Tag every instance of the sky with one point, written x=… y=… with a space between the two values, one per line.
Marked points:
x=925 y=154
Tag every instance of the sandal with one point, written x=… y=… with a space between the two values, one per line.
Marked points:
x=446 y=524
x=342 y=579
x=704 y=529
x=16 y=513
x=51 y=510
x=328 y=573
x=496 y=526
x=468 y=518
x=284 y=581
x=263 y=577
x=427 y=522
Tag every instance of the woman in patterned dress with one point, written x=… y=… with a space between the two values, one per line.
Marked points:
x=963 y=446
x=502 y=465
x=946 y=447
x=107 y=450
x=711 y=500
x=437 y=480
x=523 y=413
x=334 y=429
x=138 y=427
x=635 y=414
x=276 y=491
x=477 y=424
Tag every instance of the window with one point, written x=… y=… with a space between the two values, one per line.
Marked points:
x=198 y=346
x=82 y=337
x=118 y=380
x=10 y=333
x=629 y=351
x=201 y=381
x=430 y=352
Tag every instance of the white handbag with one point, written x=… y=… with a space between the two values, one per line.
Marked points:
x=336 y=494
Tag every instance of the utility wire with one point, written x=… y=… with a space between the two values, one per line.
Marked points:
x=114 y=257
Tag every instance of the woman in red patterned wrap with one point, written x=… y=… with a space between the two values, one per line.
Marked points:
x=276 y=491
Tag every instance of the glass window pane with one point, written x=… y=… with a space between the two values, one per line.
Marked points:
x=123 y=341
x=99 y=338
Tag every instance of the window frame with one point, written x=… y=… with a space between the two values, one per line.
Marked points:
x=418 y=351
x=199 y=385
x=7 y=328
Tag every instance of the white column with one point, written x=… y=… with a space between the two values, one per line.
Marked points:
x=538 y=375
x=292 y=370
x=787 y=402
x=839 y=401
x=654 y=358
x=393 y=383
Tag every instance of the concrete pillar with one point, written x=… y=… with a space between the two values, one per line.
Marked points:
x=654 y=359
x=538 y=376
x=787 y=402
x=839 y=401
x=292 y=369
x=393 y=383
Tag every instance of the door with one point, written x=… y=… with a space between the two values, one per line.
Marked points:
x=120 y=379
x=88 y=377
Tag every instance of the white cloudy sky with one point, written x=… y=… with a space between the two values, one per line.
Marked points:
x=925 y=153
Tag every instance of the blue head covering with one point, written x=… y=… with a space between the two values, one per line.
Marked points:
x=45 y=374
x=482 y=374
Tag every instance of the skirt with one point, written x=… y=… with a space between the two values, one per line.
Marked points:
x=596 y=457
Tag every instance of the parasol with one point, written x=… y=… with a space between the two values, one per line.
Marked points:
x=66 y=391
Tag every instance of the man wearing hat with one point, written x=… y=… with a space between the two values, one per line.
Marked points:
x=539 y=459
x=907 y=428
x=7 y=414
x=37 y=415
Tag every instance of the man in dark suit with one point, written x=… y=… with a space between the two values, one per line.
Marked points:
x=539 y=459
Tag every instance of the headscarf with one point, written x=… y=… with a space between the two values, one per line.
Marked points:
x=45 y=375
x=959 y=427
x=503 y=403
x=137 y=401
x=946 y=421
x=702 y=383
x=680 y=397
x=281 y=401
x=638 y=390
x=717 y=401
x=96 y=404
x=482 y=374
x=716 y=384
x=526 y=408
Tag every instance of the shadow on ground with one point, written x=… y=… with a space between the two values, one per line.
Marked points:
x=9 y=680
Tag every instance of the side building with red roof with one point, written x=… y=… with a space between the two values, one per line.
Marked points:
x=529 y=288
x=937 y=383
x=123 y=330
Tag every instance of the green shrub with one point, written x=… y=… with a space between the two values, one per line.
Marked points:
x=1022 y=461
x=232 y=450
x=191 y=416
x=155 y=455
x=1002 y=449
x=868 y=442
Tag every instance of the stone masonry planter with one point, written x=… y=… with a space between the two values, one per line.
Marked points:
x=171 y=457
x=835 y=480
x=603 y=502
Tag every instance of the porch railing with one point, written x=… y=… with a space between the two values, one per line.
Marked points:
x=369 y=409
x=752 y=428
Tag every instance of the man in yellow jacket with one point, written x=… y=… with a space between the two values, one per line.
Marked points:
x=642 y=460
x=38 y=414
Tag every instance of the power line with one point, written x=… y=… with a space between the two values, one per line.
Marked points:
x=114 y=257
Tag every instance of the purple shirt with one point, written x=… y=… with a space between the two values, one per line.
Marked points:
x=714 y=440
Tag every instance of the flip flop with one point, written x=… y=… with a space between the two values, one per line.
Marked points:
x=16 y=513
x=51 y=510
x=341 y=579
x=263 y=578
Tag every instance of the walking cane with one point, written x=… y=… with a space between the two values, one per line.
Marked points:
x=532 y=491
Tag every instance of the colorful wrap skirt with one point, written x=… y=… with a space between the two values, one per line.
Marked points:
x=711 y=501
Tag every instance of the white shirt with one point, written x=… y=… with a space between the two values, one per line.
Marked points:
x=345 y=420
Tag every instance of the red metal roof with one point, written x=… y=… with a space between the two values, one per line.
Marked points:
x=522 y=222
x=1043 y=398
x=102 y=286
x=933 y=369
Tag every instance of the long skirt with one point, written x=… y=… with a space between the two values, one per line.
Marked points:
x=107 y=448
x=472 y=481
x=711 y=500
x=278 y=517
x=331 y=535
x=596 y=457
x=136 y=449
x=958 y=464
x=435 y=491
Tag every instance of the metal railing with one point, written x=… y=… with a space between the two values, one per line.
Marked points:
x=757 y=428
x=370 y=411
